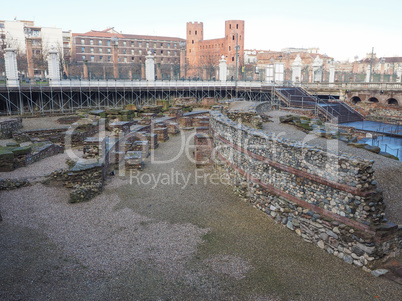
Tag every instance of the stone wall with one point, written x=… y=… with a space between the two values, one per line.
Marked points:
x=9 y=184
x=254 y=115
x=16 y=156
x=305 y=112
x=9 y=126
x=329 y=200
x=85 y=179
x=387 y=115
x=58 y=135
x=379 y=112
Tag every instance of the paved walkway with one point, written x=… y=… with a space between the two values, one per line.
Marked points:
x=134 y=242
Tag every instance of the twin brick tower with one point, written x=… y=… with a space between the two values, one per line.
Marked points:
x=202 y=52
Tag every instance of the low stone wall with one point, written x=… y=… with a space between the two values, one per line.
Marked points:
x=15 y=157
x=379 y=112
x=9 y=126
x=305 y=112
x=327 y=199
x=387 y=115
x=9 y=184
x=86 y=180
x=58 y=135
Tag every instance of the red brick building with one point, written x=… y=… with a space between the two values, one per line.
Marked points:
x=202 y=54
x=96 y=48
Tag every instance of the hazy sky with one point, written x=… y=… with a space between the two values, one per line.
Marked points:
x=341 y=28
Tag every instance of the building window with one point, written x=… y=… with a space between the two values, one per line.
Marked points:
x=232 y=58
x=132 y=43
x=100 y=57
x=147 y=45
x=82 y=41
x=83 y=57
x=161 y=45
x=108 y=58
x=91 y=42
x=100 y=50
x=139 y=44
x=175 y=45
x=132 y=58
x=168 y=52
x=83 y=49
x=233 y=38
x=189 y=32
x=154 y=45
x=124 y=51
x=192 y=42
x=108 y=50
x=132 y=51
x=161 y=52
x=190 y=50
x=108 y=42
x=92 y=50
x=140 y=52
x=230 y=48
x=125 y=60
x=168 y=45
x=175 y=53
x=92 y=58
x=100 y=42
x=124 y=43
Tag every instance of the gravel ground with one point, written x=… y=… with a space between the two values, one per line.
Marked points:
x=388 y=172
x=42 y=123
x=173 y=241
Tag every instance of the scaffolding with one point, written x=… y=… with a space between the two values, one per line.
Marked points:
x=41 y=97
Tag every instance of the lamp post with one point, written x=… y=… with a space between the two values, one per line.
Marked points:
x=371 y=63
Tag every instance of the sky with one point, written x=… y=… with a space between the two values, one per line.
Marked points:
x=342 y=29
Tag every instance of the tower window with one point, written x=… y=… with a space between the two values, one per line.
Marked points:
x=195 y=33
x=232 y=58
x=233 y=38
x=237 y=26
x=189 y=32
x=230 y=26
x=192 y=42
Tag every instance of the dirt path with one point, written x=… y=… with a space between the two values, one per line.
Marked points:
x=136 y=242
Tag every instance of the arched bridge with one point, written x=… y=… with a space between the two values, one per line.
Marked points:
x=384 y=93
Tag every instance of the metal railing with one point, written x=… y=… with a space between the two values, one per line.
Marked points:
x=135 y=83
x=375 y=142
x=354 y=86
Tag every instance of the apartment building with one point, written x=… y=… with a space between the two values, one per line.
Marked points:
x=97 y=47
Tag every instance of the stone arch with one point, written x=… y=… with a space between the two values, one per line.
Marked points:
x=373 y=99
x=392 y=101
x=356 y=99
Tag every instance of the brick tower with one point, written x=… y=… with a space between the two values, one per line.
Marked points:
x=234 y=31
x=195 y=34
